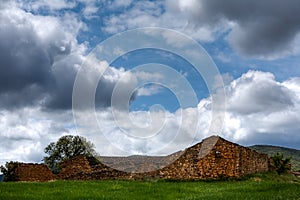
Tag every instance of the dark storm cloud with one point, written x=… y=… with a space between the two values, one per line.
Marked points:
x=263 y=28
x=39 y=60
x=23 y=60
x=60 y=92
x=24 y=63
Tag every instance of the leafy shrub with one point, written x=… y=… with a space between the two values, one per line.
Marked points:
x=9 y=171
x=281 y=165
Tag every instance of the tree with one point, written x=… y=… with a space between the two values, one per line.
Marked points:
x=282 y=165
x=65 y=148
x=9 y=171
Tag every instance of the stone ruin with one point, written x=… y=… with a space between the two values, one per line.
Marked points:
x=33 y=172
x=213 y=158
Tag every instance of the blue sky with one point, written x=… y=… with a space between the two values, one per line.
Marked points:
x=45 y=44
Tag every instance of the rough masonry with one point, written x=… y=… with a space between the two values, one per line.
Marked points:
x=33 y=172
x=213 y=158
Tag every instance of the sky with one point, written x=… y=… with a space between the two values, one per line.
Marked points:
x=147 y=77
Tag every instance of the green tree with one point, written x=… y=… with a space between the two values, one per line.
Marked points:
x=67 y=147
x=281 y=165
x=9 y=171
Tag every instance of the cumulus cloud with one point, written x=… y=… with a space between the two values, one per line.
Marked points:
x=156 y=14
x=26 y=132
x=258 y=92
x=263 y=110
x=267 y=112
x=31 y=46
x=48 y=5
x=149 y=90
x=40 y=57
x=259 y=110
x=120 y=4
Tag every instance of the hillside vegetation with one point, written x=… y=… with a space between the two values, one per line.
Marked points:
x=287 y=152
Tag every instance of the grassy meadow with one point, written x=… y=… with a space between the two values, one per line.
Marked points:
x=260 y=186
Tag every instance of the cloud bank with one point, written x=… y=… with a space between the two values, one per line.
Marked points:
x=41 y=54
x=259 y=110
x=40 y=57
x=260 y=29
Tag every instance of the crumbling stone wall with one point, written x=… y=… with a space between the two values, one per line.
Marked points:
x=74 y=166
x=250 y=161
x=33 y=172
x=224 y=159
x=213 y=158
x=101 y=172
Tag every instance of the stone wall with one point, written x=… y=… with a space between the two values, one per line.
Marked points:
x=74 y=166
x=251 y=161
x=213 y=158
x=101 y=174
x=33 y=172
x=216 y=158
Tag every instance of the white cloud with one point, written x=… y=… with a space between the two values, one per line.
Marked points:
x=52 y=5
x=263 y=110
x=90 y=10
x=166 y=14
x=149 y=90
x=260 y=109
x=147 y=76
x=120 y=4
x=249 y=122
x=25 y=133
x=258 y=92
x=223 y=57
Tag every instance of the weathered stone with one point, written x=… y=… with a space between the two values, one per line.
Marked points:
x=225 y=159
x=213 y=158
x=33 y=172
x=73 y=166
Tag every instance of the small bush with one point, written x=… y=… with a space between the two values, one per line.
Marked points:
x=281 y=165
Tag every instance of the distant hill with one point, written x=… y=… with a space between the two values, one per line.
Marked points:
x=138 y=163
x=287 y=152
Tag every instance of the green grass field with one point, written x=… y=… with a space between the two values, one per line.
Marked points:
x=260 y=186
